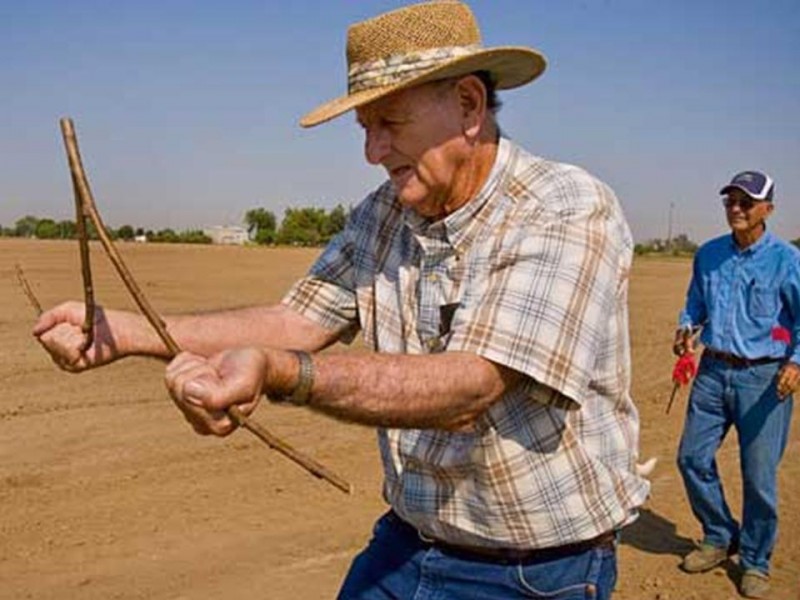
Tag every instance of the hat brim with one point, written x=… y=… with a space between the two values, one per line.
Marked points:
x=735 y=186
x=510 y=66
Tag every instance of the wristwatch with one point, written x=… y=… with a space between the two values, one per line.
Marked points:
x=301 y=393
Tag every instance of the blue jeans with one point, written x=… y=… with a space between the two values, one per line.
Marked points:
x=398 y=565
x=746 y=398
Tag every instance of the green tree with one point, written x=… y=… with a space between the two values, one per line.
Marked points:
x=796 y=242
x=46 y=229
x=125 y=233
x=67 y=230
x=26 y=226
x=194 y=236
x=335 y=222
x=302 y=226
x=165 y=236
x=261 y=225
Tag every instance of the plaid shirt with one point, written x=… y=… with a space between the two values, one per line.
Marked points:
x=531 y=274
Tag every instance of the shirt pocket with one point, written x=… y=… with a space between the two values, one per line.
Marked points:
x=763 y=301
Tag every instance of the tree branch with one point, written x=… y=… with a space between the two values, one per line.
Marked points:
x=85 y=201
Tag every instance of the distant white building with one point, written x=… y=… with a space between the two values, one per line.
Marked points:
x=227 y=234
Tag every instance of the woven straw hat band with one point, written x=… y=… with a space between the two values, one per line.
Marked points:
x=400 y=44
x=420 y=43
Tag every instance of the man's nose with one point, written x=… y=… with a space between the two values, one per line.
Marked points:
x=377 y=144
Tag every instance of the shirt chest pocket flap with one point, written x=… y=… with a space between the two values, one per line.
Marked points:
x=763 y=301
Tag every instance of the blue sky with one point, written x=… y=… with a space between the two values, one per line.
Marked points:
x=187 y=112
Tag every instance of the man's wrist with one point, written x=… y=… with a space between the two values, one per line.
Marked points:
x=300 y=394
x=133 y=335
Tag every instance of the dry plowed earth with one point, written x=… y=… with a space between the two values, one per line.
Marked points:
x=106 y=493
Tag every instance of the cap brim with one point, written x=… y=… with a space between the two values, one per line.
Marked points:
x=736 y=186
x=510 y=66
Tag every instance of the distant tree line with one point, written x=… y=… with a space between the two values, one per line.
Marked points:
x=679 y=245
x=30 y=226
x=299 y=227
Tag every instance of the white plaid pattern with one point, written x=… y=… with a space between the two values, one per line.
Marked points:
x=532 y=274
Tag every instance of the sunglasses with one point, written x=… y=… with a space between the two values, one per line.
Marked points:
x=745 y=203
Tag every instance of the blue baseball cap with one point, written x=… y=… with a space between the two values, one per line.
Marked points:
x=759 y=186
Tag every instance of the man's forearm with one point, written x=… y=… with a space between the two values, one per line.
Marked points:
x=448 y=390
x=208 y=333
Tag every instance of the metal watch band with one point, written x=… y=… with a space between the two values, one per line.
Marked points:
x=305 y=380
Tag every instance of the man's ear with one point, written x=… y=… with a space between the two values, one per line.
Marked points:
x=472 y=101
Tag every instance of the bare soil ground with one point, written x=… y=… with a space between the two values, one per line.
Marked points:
x=106 y=493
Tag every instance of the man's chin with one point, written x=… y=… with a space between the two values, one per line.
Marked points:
x=413 y=206
x=411 y=201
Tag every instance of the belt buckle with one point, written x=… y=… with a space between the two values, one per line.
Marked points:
x=425 y=538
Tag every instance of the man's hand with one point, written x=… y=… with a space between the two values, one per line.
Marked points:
x=204 y=388
x=59 y=332
x=684 y=341
x=788 y=380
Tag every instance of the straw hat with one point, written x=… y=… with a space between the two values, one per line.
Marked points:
x=421 y=43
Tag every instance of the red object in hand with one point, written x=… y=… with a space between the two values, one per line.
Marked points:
x=684 y=369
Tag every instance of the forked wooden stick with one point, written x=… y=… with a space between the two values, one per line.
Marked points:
x=23 y=283
x=86 y=271
x=85 y=200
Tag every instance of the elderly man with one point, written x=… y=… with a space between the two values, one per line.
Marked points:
x=492 y=286
x=745 y=295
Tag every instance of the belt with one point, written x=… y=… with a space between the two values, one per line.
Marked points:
x=514 y=555
x=739 y=362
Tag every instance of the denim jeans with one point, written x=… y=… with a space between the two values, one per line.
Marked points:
x=746 y=398
x=398 y=565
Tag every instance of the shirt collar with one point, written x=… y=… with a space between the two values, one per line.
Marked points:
x=460 y=227
x=762 y=242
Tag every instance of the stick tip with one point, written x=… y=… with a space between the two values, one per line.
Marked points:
x=66 y=124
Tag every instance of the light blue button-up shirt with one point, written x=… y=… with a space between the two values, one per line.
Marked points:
x=747 y=301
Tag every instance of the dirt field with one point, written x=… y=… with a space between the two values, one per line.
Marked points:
x=106 y=493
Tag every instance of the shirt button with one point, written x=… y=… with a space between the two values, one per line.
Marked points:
x=412 y=464
x=434 y=344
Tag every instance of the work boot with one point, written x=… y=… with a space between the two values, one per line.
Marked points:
x=704 y=558
x=754 y=584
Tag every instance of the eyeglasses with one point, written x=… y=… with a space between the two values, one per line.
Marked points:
x=745 y=203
